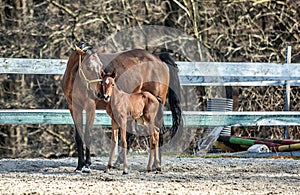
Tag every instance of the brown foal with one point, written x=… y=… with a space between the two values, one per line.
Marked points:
x=142 y=107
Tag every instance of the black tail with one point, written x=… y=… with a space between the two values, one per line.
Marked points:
x=173 y=92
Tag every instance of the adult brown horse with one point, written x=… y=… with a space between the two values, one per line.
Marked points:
x=138 y=70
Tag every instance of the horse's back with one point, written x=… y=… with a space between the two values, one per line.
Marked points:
x=138 y=70
x=126 y=59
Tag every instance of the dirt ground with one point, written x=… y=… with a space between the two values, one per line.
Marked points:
x=179 y=176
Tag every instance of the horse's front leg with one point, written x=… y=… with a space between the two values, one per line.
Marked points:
x=130 y=136
x=79 y=145
x=114 y=138
x=77 y=118
x=90 y=116
x=123 y=143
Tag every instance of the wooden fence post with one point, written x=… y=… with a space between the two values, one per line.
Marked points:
x=287 y=91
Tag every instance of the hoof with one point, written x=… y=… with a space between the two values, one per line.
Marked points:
x=77 y=171
x=125 y=173
x=86 y=169
x=106 y=170
x=158 y=169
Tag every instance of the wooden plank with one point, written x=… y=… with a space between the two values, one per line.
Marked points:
x=46 y=116
x=241 y=118
x=190 y=118
x=245 y=69
x=190 y=73
x=32 y=66
x=238 y=74
x=199 y=81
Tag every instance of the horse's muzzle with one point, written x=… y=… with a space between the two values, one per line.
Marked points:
x=100 y=96
x=106 y=98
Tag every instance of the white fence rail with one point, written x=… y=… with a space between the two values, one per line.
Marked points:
x=191 y=73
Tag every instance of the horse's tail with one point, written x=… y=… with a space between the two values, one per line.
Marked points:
x=173 y=92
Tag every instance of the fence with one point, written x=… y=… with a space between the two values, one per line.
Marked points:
x=191 y=73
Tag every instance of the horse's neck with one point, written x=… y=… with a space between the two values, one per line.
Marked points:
x=73 y=61
x=117 y=94
x=70 y=73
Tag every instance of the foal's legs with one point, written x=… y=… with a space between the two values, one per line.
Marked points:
x=159 y=122
x=157 y=153
x=151 y=116
x=124 y=146
x=130 y=136
x=114 y=137
x=154 y=137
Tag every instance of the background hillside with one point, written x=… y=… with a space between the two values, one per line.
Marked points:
x=237 y=31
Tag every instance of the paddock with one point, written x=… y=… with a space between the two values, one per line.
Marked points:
x=205 y=175
x=214 y=175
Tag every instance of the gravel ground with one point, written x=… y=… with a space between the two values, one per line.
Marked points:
x=179 y=176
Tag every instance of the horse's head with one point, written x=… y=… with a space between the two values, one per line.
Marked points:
x=108 y=84
x=90 y=73
x=85 y=49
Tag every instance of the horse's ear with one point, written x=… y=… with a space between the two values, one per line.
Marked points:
x=79 y=51
x=114 y=73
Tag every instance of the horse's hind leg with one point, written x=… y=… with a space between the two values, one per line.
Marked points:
x=157 y=156
x=154 y=153
x=150 y=115
x=159 y=122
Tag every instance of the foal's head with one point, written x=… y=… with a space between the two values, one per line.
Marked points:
x=108 y=84
x=90 y=72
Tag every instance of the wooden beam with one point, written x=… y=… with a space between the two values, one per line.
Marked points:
x=32 y=66
x=190 y=73
x=238 y=73
x=190 y=118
